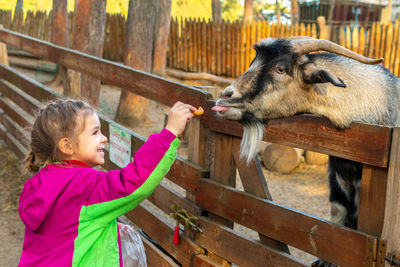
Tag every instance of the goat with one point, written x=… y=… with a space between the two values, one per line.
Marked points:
x=285 y=79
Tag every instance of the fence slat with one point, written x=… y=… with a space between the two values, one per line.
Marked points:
x=304 y=131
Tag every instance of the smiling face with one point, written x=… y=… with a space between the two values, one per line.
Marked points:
x=90 y=142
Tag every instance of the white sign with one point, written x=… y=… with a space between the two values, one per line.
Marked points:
x=120 y=147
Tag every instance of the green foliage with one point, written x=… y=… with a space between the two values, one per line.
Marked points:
x=191 y=9
x=231 y=10
x=180 y=8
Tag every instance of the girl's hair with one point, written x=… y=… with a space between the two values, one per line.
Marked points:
x=57 y=120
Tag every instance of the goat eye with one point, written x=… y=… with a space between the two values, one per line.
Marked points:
x=280 y=70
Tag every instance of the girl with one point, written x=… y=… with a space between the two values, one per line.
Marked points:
x=68 y=208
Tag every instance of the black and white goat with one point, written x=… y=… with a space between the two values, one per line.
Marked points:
x=285 y=79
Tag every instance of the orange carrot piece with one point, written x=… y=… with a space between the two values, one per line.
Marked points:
x=199 y=111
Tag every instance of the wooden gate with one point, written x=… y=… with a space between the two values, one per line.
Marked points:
x=208 y=176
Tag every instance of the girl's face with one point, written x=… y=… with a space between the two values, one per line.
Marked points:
x=91 y=142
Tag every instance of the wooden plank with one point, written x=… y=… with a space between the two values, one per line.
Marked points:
x=224 y=168
x=163 y=197
x=362 y=41
x=199 y=43
x=3 y=52
x=242 y=48
x=378 y=31
x=163 y=234
x=247 y=45
x=209 y=46
x=240 y=249
x=372 y=200
x=15 y=130
x=334 y=243
x=27 y=103
x=171 y=50
x=28 y=85
x=11 y=110
x=371 y=50
x=229 y=48
x=204 y=46
x=190 y=45
x=391 y=230
x=355 y=40
x=223 y=49
x=394 y=46
x=318 y=134
x=218 y=51
x=155 y=257
x=12 y=142
x=197 y=142
x=159 y=89
x=388 y=42
x=237 y=43
x=251 y=175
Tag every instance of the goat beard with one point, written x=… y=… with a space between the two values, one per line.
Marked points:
x=252 y=136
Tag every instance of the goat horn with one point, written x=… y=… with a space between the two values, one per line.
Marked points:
x=304 y=45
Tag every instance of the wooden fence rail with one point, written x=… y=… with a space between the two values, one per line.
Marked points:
x=223 y=48
x=364 y=143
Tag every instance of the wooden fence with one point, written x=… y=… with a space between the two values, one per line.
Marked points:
x=211 y=192
x=224 y=48
x=344 y=12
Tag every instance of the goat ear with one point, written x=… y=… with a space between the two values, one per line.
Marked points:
x=322 y=76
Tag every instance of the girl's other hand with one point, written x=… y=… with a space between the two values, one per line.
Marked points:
x=178 y=116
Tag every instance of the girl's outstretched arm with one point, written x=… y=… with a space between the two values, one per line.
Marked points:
x=114 y=193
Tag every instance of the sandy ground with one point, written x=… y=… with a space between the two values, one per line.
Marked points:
x=305 y=189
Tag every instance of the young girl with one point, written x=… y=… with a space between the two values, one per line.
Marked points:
x=68 y=208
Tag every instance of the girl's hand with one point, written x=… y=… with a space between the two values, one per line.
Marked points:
x=178 y=116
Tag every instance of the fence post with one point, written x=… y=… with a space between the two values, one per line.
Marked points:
x=3 y=52
x=324 y=30
x=372 y=200
x=391 y=229
x=199 y=137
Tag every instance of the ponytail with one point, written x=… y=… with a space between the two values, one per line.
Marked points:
x=30 y=162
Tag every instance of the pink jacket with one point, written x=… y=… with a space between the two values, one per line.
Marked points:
x=70 y=211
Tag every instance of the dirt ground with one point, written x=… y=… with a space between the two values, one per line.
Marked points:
x=305 y=189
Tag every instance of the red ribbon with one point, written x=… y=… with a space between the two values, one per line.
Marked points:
x=176 y=235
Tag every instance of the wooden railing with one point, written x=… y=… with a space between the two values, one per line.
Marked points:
x=211 y=190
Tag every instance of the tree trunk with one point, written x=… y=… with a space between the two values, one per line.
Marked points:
x=59 y=34
x=295 y=11
x=278 y=12
x=88 y=37
x=248 y=11
x=161 y=37
x=18 y=15
x=59 y=22
x=216 y=10
x=19 y=5
x=139 y=43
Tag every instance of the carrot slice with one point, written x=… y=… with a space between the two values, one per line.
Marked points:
x=199 y=111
